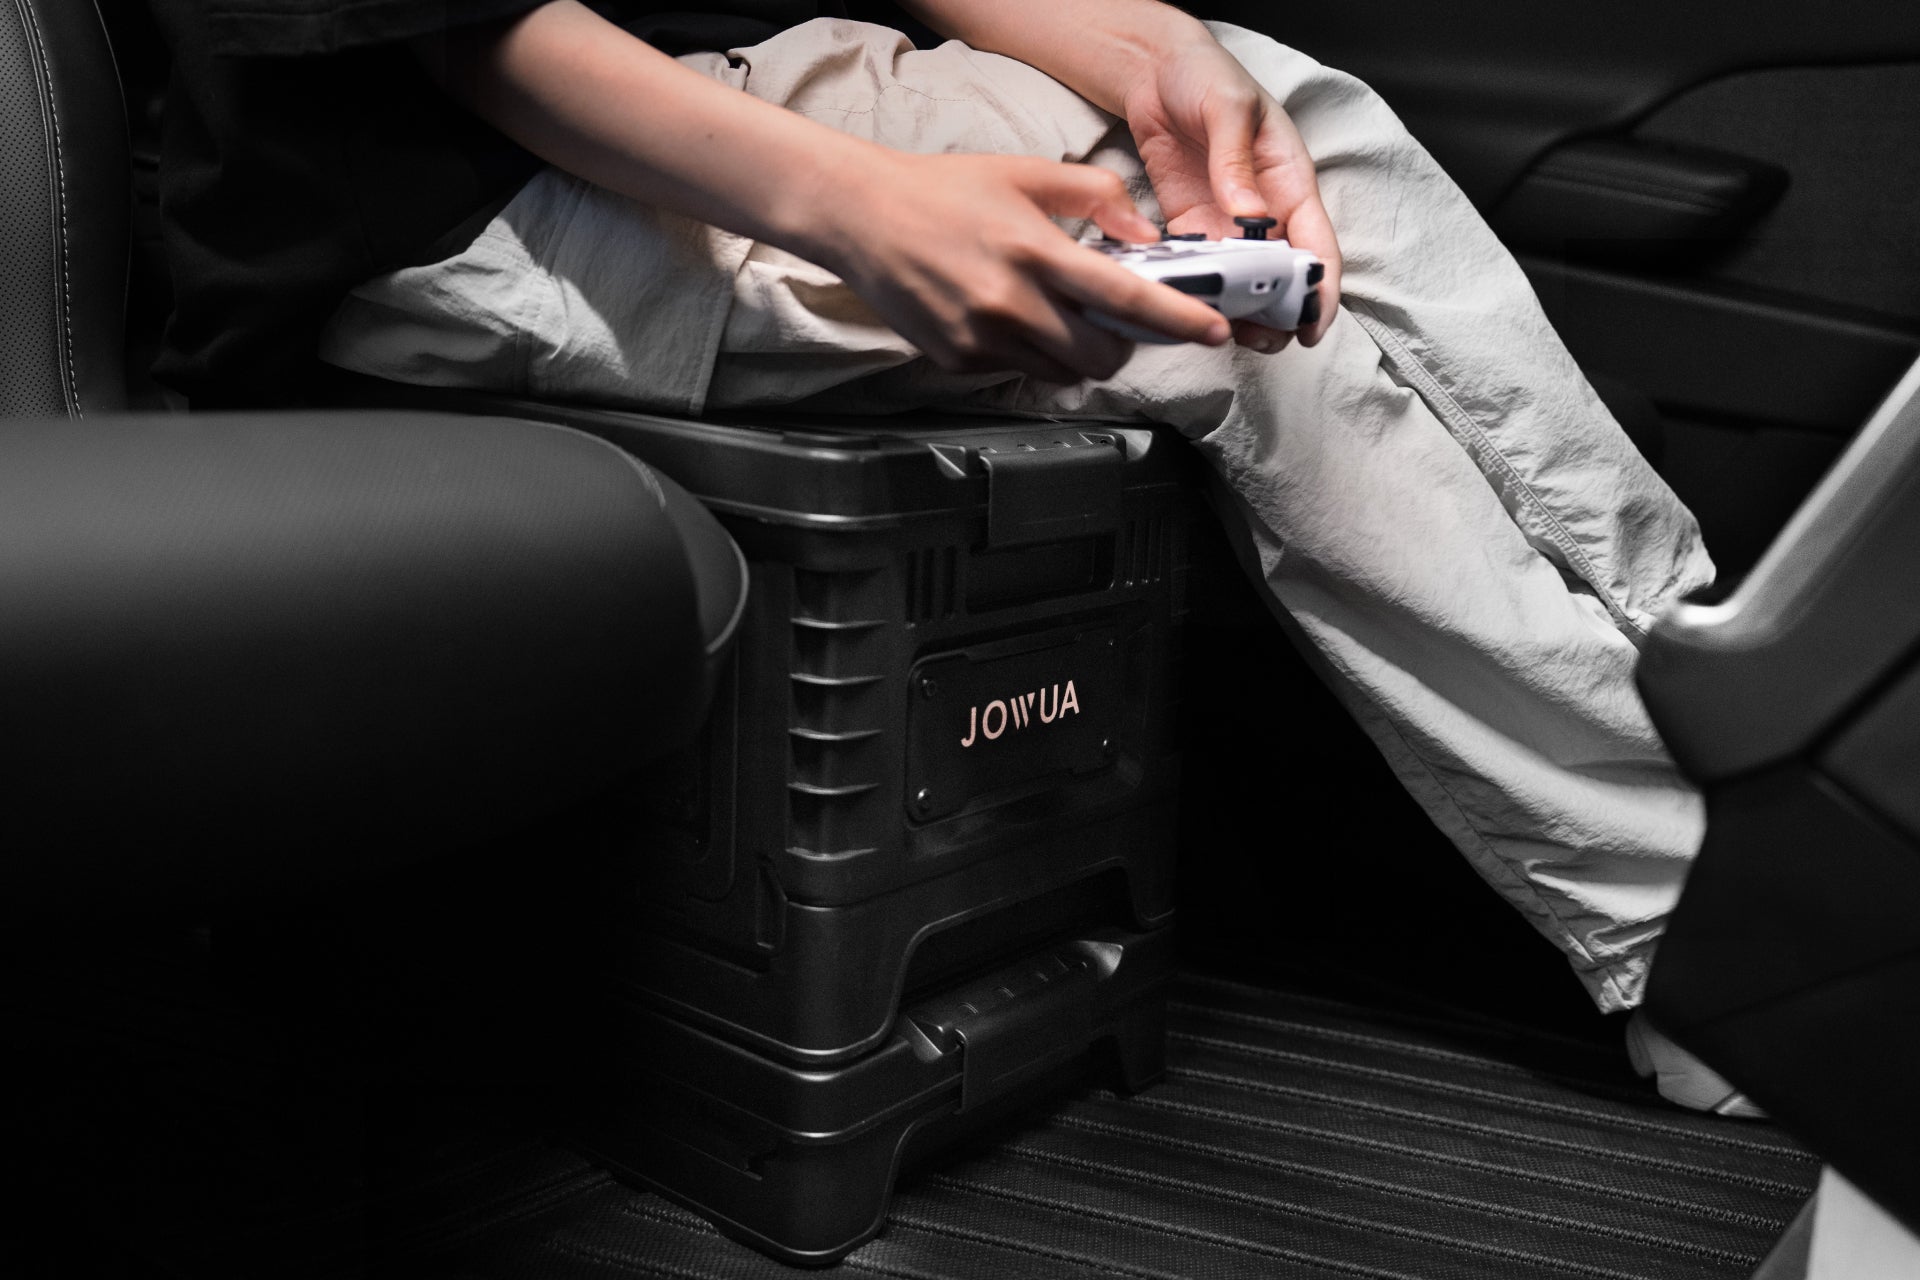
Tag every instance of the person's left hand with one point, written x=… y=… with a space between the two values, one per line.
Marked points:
x=1218 y=146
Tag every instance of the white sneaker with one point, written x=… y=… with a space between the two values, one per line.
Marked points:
x=1681 y=1077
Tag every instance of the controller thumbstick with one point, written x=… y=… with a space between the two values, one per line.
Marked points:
x=1255 y=228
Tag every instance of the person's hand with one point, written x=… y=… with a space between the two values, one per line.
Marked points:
x=1218 y=146
x=958 y=253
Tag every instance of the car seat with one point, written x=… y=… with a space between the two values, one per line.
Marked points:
x=252 y=654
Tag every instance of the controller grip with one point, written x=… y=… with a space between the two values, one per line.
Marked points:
x=1309 y=313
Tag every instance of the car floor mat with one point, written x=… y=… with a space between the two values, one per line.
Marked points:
x=1295 y=1134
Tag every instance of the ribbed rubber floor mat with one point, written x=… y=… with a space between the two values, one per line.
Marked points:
x=1295 y=1135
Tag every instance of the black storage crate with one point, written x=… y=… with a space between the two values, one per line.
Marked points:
x=953 y=695
x=919 y=868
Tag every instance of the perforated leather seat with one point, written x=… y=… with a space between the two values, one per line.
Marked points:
x=262 y=651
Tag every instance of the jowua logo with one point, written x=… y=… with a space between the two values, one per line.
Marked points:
x=1019 y=711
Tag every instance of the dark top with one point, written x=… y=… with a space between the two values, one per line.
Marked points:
x=304 y=150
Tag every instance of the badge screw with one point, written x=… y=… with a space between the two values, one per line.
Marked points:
x=922 y=800
x=928 y=686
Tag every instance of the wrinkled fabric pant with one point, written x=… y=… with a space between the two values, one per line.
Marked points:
x=1448 y=518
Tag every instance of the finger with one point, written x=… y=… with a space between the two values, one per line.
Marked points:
x=1231 y=127
x=1009 y=354
x=1308 y=227
x=1292 y=190
x=1056 y=331
x=1095 y=283
x=1098 y=353
x=1087 y=191
x=1257 y=337
x=1027 y=329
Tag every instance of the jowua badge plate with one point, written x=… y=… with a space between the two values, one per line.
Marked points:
x=1006 y=716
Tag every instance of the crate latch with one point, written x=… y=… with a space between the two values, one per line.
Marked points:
x=1045 y=492
x=1015 y=1023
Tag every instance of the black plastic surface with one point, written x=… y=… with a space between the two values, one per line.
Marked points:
x=1798 y=885
x=801 y=1163
x=243 y=654
x=1793 y=967
x=1821 y=621
x=1877 y=756
x=1725 y=352
x=1635 y=202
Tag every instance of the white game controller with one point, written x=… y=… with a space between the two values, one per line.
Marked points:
x=1266 y=281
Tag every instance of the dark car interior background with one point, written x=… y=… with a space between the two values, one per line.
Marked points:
x=255 y=1033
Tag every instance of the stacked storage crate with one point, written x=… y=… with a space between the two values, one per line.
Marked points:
x=919 y=870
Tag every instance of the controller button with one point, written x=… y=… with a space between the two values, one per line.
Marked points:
x=1211 y=282
x=1316 y=272
x=1310 y=310
x=1187 y=235
x=1255 y=228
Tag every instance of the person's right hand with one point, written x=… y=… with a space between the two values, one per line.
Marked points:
x=957 y=253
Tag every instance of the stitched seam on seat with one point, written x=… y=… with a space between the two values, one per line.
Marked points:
x=60 y=191
x=1487 y=454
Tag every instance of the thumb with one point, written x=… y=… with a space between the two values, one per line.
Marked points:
x=1087 y=191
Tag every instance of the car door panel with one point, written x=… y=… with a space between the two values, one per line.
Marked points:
x=1491 y=85
x=1713 y=202
x=1707 y=350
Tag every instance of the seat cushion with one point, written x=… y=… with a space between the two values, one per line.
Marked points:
x=257 y=652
